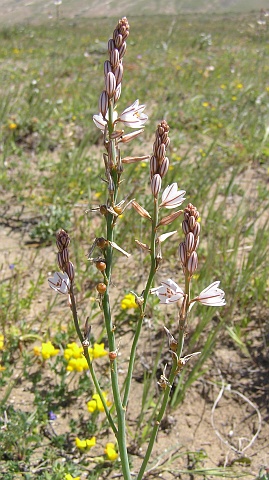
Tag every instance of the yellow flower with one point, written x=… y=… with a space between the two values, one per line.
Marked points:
x=69 y=477
x=12 y=126
x=267 y=89
x=16 y=51
x=37 y=351
x=77 y=365
x=98 y=350
x=73 y=351
x=111 y=452
x=239 y=86
x=128 y=302
x=2 y=368
x=96 y=403
x=223 y=86
x=47 y=350
x=234 y=98
x=85 y=445
x=2 y=338
x=205 y=104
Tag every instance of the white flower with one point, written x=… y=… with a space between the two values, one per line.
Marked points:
x=133 y=116
x=60 y=282
x=168 y=292
x=100 y=122
x=212 y=296
x=172 y=197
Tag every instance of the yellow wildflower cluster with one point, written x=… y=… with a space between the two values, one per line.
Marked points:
x=2 y=338
x=128 y=302
x=75 y=357
x=85 y=445
x=47 y=350
x=96 y=404
x=111 y=452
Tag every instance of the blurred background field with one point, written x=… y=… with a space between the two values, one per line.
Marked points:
x=206 y=73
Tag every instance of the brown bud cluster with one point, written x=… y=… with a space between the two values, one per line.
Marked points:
x=191 y=230
x=113 y=68
x=62 y=242
x=159 y=163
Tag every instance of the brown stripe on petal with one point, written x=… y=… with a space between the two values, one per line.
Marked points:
x=170 y=218
x=192 y=263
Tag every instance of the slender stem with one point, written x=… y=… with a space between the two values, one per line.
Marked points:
x=142 y=312
x=90 y=365
x=121 y=432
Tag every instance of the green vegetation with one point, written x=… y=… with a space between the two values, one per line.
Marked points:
x=208 y=77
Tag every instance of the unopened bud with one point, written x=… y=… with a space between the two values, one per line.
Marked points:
x=192 y=222
x=156 y=183
x=122 y=50
x=153 y=166
x=196 y=229
x=185 y=227
x=114 y=58
x=161 y=151
x=135 y=159
x=107 y=67
x=163 y=169
x=117 y=93
x=62 y=240
x=69 y=269
x=103 y=102
x=118 y=40
x=192 y=263
x=189 y=240
x=182 y=253
x=61 y=263
x=111 y=45
x=118 y=72
x=110 y=84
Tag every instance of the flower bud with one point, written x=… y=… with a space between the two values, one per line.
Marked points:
x=114 y=58
x=62 y=240
x=60 y=260
x=110 y=82
x=192 y=263
x=111 y=45
x=182 y=253
x=163 y=169
x=65 y=255
x=142 y=211
x=170 y=218
x=161 y=151
x=107 y=67
x=118 y=72
x=117 y=93
x=189 y=240
x=196 y=229
x=103 y=102
x=69 y=269
x=122 y=50
x=153 y=166
x=191 y=222
x=156 y=183
x=185 y=227
x=118 y=40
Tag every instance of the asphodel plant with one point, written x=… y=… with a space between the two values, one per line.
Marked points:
x=166 y=200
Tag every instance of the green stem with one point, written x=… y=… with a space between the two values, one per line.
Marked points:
x=90 y=365
x=121 y=411
x=145 y=298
